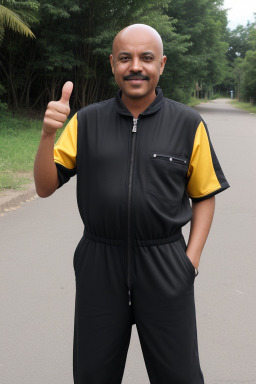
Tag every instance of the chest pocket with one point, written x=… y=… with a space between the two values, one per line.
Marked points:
x=166 y=176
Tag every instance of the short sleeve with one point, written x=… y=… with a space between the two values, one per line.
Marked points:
x=65 y=151
x=205 y=176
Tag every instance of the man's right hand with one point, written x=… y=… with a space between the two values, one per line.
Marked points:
x=57 y=111
x=45 y=171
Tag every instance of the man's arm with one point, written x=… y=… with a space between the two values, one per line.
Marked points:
x=202 y=215
x=45 y=172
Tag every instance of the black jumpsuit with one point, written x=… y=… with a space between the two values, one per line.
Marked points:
x=134 y=181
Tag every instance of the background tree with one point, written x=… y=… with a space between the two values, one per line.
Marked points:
x=248 y=67
x=205 y=22
x=249 y=85
x=74 y=40
x=15 y=15
x=241 y=57
x=238 y=42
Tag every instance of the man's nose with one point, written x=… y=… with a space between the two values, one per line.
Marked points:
x=136 y=65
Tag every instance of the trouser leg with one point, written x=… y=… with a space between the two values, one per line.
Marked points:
x=103 y=318
x=164 y=310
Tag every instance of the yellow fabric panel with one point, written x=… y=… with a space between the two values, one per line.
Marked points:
x=65 y=149
x=201 y=173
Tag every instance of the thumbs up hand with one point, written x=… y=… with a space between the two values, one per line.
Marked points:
x=57 y=111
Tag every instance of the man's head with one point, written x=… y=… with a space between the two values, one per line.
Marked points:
x=137 y=61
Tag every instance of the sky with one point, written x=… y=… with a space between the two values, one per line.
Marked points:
x=241 y=11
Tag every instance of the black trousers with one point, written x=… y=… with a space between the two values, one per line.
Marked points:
x=162 y=307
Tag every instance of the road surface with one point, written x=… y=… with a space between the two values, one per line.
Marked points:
x=37 y=285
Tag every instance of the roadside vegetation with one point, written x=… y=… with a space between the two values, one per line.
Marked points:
x=195 y=101
x=241 y=59
x=244 y=106
x=19 y=138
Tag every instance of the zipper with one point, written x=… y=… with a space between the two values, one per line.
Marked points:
x=174 y=159
x=134 y=131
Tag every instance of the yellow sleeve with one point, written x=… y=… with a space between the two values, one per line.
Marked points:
x=65 y=150
x=205 y=176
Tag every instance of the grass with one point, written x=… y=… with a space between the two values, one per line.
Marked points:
x=244 y=106
x=195 y=101
x=14 y=180
x=19 y=139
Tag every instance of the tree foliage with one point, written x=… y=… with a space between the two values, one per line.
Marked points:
x=74 y=39
x=16 y=15
x=238 y=43
x=205 y=22
x=242 y=61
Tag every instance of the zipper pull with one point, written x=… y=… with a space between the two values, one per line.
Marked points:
x=129 y=294
x=135 y=122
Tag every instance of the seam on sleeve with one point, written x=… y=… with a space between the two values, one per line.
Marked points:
x=63 y=165
x=206 y=193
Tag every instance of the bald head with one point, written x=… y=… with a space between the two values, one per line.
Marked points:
x=137 y=62
x=137 y=33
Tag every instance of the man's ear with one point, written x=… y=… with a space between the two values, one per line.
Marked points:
x=112 y=63
x=163 y=61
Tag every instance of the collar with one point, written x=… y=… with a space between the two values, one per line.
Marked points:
x=152 y=108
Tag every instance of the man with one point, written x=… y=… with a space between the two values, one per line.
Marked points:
x=138 y=158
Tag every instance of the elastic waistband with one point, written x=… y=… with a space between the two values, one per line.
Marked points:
x=137 y=242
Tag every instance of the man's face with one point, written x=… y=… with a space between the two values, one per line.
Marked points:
x=137 y=62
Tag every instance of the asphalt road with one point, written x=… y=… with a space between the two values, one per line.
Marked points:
x=37 y=286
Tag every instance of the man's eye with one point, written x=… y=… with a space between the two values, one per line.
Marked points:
x=147 y=58
x=124 y=58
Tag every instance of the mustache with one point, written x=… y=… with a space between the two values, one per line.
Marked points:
x=135 y=76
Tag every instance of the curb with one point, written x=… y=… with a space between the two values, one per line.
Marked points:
x=11 y=203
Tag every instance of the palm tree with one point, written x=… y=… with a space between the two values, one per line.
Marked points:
x=10 y=18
